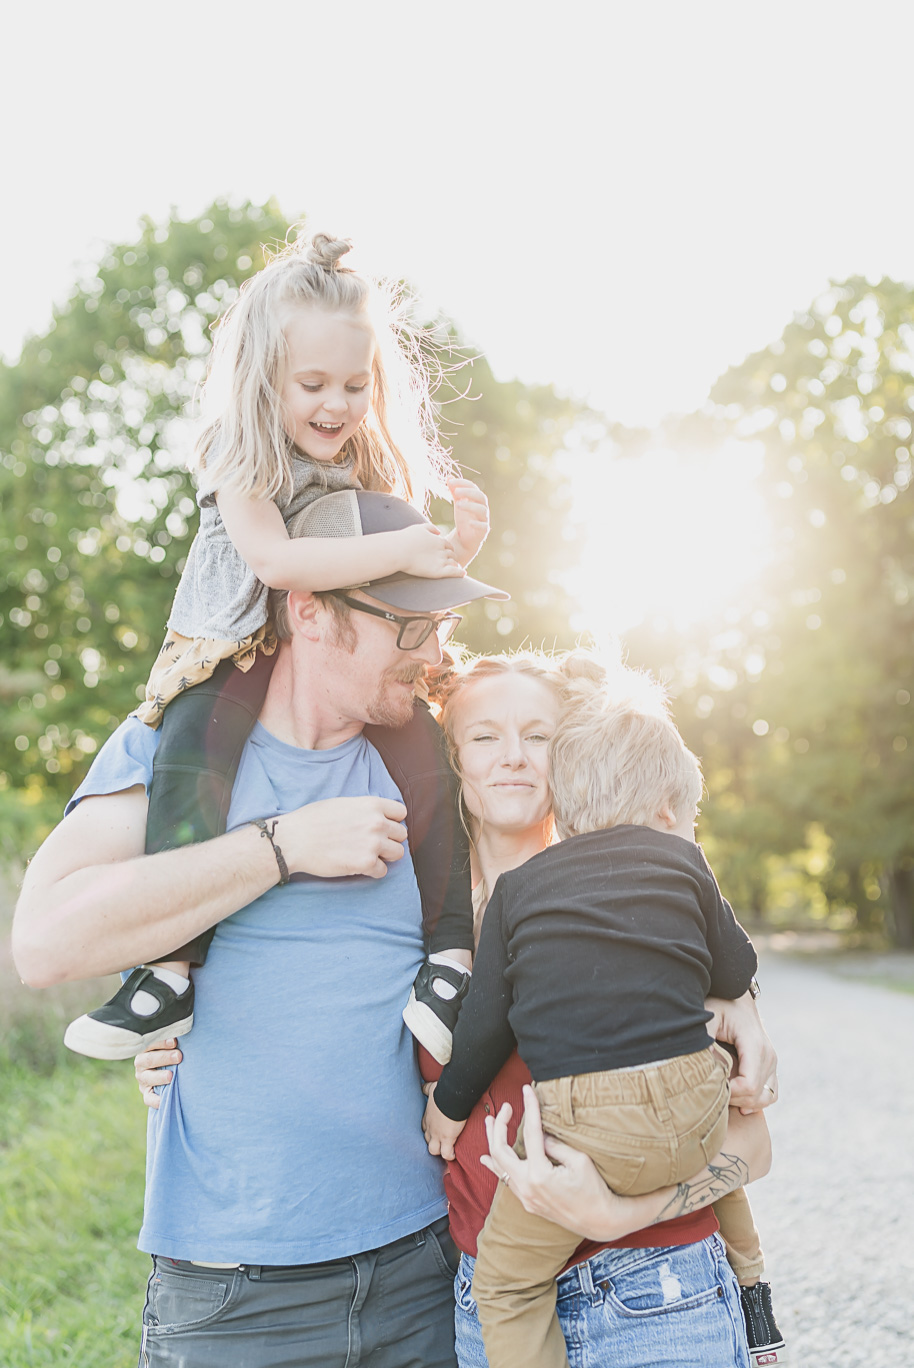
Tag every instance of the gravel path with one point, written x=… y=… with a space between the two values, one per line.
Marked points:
x=836 y=1214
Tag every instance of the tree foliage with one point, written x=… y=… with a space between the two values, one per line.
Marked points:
x=800 y=702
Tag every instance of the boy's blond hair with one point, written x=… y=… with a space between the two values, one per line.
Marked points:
x=616 y=756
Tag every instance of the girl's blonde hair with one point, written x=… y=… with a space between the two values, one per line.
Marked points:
x=616 y=756
x=245 y=446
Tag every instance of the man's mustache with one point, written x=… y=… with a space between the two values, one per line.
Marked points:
x=408 y=674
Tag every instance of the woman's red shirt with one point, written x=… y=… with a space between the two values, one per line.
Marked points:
x=470 y=1187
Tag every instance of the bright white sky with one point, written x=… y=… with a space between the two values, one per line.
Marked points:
x=622 y=199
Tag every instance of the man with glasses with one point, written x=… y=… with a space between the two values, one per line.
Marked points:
x=412 y=631
x=293 y=1212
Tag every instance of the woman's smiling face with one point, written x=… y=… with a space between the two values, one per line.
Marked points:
x=501 y=727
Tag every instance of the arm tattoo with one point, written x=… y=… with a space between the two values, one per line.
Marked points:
x=717 y=1181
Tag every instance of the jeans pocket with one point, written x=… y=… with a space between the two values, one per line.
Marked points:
x=180 y=1301
x=621 y=1171
x=665 y=1281
x=447 y=1255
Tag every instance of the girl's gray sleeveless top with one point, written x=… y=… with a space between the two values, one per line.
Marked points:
x=219 y=596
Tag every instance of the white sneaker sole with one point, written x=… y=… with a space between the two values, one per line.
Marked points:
x=427 y=1028
x=775 y=1357
x=98 y=1040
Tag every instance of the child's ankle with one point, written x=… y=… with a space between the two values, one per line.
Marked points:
x=457 y=959
x=181 y=967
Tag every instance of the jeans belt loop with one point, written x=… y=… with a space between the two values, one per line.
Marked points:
x=253 y=1271
x=588 y=1288
x=657 y=1094
x=566 y=1108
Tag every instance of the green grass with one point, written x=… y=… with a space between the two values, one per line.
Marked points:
x=72 y=1145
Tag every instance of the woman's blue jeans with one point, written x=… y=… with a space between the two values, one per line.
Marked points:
x=635 y=1308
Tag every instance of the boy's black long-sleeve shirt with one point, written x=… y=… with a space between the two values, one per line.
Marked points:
x=596 y=954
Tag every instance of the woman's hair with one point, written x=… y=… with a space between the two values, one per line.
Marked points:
x=461 y=671
x=616 y=756
x=245 y=446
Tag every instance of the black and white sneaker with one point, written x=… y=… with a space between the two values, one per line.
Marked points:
x=115 y=1031
x=431 y=1017
x=766 y=1343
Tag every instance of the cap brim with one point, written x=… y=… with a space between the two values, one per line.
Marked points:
x=417 y=595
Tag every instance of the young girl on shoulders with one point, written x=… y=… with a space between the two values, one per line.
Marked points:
x=317 y=387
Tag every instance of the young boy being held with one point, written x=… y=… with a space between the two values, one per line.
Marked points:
x=595 y=959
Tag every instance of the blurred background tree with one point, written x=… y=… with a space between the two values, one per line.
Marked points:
x=800 y=699
x=97 y=506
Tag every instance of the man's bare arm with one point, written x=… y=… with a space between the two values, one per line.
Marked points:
x=93 y=902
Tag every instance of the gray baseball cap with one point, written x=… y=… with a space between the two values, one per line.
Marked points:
x=362 y=512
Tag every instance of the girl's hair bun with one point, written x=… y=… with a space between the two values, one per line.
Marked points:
x=326 y=251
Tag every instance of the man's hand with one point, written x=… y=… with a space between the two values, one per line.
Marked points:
x=151 y=1069
x=471 y=519
x=755 y=1083
x=441 y=1133
x=343 y=836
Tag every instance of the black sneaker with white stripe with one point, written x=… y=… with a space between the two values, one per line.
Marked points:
x=766 y=1343
x=116 y=1031
x=430 y=1017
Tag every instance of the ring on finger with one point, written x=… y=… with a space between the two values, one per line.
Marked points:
x=505 y=1178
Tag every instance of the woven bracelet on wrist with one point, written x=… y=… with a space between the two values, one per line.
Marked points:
x=267 y=829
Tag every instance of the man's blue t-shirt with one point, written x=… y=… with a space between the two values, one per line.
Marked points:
x=292 y=1131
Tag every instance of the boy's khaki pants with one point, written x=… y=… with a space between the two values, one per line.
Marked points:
x=643 y=1129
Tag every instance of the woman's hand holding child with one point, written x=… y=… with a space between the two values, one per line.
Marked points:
x=562 y=1185
x=152 y=1071
x=441 y=1133
x=553 y=1181
x=754 y=1084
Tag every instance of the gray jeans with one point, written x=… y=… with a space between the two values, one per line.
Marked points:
x=391 y=1307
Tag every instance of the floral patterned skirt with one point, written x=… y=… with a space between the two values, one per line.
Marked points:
x=185 y=661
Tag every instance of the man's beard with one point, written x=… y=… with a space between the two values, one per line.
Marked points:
x=392 y=706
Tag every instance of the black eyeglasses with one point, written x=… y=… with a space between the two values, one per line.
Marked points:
x=414 y=631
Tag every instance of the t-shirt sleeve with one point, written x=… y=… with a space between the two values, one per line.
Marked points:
x=483 y=1038
x=123 y=761
x=733 y=957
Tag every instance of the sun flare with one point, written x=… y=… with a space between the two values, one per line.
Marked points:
x=665 y=536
